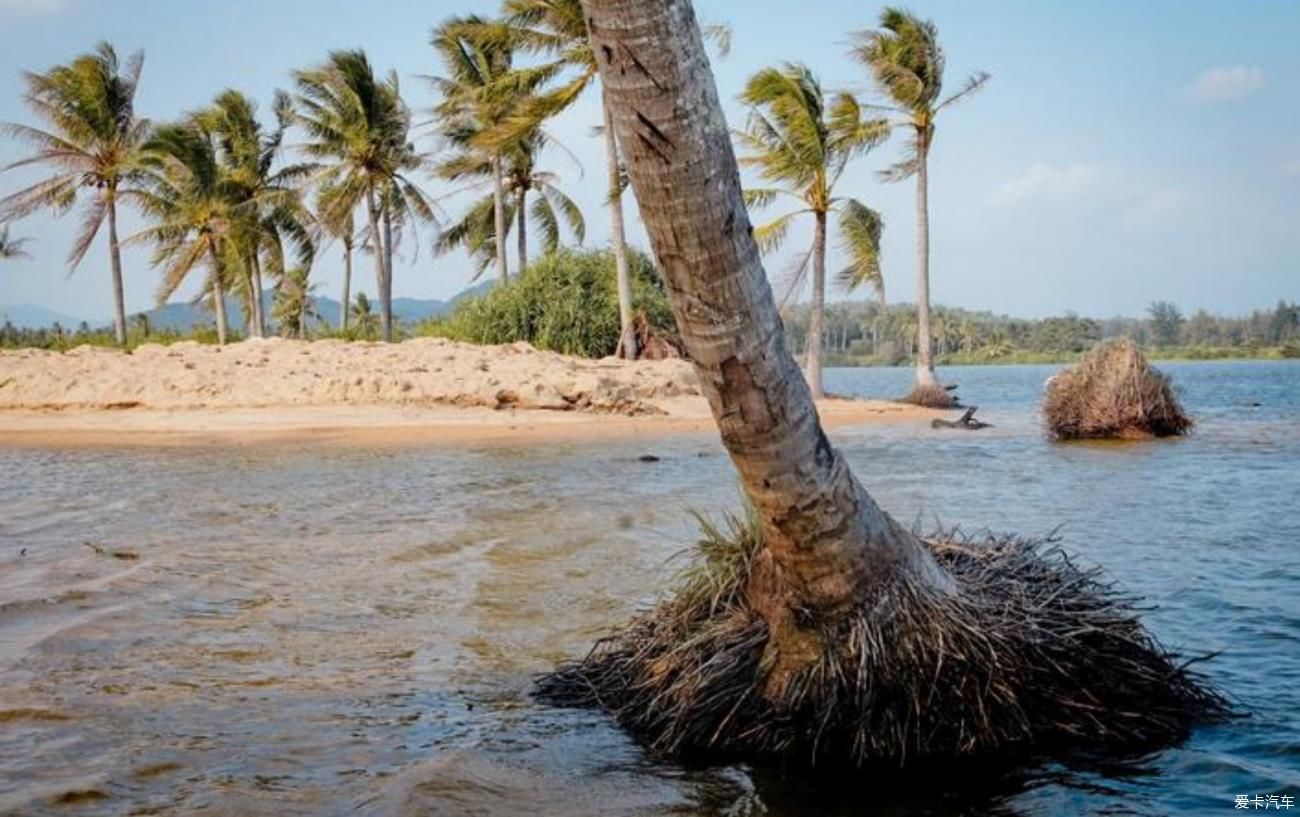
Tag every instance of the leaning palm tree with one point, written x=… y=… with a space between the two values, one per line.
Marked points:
x=358 y=132
x=906 y=62
x=191 y=206
x=266 y=193
x=822 y=631
x=92 y=143
x=11 y=248
x=558 y=28
x=551 y=208
x=796 y=143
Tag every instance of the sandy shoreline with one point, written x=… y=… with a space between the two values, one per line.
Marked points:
x=422 y=391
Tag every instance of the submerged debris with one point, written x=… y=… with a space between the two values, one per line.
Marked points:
x=1031 y=654
x=1113 y=394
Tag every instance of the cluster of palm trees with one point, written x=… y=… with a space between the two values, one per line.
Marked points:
x=220 y=196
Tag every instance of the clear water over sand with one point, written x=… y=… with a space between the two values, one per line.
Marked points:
x=353 y=631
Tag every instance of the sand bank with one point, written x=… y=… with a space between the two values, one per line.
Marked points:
x=426 y=390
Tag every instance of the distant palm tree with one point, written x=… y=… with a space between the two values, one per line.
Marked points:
x=476 y=231
x=295 y=302
x=192 y=207
x=485 y=105
x=358 y=131
x=558 y=28
x=12 y=248
x=795 y=142
x=92 y=144
x=342 y=227
x=363 y=318
x=906 y=61
x=266 y=196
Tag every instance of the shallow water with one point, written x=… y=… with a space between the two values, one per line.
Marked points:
x=345 y=631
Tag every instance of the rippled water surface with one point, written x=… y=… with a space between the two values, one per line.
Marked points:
x=284 y=631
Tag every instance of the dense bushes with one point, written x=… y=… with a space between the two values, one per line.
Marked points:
x=565 y=302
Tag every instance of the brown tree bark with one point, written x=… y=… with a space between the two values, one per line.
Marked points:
x=499 y=217
x=827 y=546
x=218 y=296
x=521 y=214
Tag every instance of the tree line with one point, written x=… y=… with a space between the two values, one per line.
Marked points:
x=867 y=333
x=226 y=201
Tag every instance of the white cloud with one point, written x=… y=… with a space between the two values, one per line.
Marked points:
x=1049 y=182
x=1224 y=84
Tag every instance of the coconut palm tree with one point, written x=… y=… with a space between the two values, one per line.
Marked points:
x=907 y=62
x=487 y=104
x=363 y=316
x=476 y=231
x=558 y=29
x=340 y=226
x=92 y=144
x=358 y=131
x=266 y=195
x=295 y=302
x=192 y=206
x=12 y=248
x=796 y=143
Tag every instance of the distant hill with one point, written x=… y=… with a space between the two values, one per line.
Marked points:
x=182 y=317
x=30 y=316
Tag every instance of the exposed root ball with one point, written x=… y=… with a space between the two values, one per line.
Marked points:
x=1113 y=394
x=935 y=397
x=1032 y=654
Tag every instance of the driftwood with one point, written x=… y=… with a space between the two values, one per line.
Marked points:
x=966 y=422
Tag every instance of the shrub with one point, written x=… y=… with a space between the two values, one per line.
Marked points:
x=565 y=302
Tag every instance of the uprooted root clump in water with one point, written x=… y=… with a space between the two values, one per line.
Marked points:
x=1030 y=654
x=1113 y=394
x=932 y=396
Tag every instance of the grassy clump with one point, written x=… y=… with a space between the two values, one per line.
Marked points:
x=935 y=397
x=566 y=302
x=1114 y=393
x=1031 y=654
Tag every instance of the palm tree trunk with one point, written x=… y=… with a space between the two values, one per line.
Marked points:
x=376 y=240
x=817 y=313
x=925 y=375
x=386 y=288
x=115 y=259
x=218 y=297
x=499 y=217
x=618 y=238
x=347 y=285
x=521 y=199
x=827 y=545
x=259 y=312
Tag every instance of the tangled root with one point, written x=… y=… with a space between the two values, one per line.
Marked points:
x=931 y=396
x=1113 y=394
x=1031 y=654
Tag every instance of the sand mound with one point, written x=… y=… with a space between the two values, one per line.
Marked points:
x=277 y=372
x=1113 y=394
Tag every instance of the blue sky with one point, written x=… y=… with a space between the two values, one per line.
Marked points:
x=1123 y=152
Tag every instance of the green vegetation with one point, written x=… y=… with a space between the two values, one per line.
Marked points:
x=862 y=334
x=565 y=302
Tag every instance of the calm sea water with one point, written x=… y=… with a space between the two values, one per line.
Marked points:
x=347 y=631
